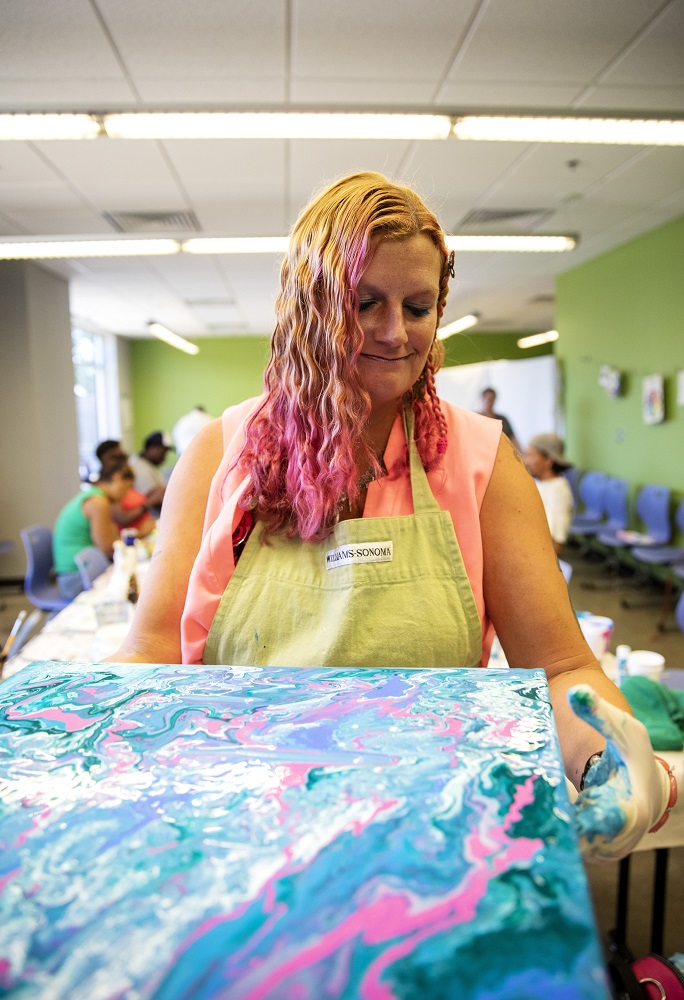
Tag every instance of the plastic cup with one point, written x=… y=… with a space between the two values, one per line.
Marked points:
x=645 y=663
x=598 y=632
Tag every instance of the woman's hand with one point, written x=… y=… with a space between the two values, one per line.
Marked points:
x=628 y=791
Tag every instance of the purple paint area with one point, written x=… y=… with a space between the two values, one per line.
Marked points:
x=206 y=832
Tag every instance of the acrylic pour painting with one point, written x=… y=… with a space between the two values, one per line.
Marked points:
x=186 y=833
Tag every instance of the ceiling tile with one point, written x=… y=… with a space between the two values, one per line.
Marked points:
x=48 y=40
x=205 y=41
x=376 y=41
x=117 y=175
x=531 y=41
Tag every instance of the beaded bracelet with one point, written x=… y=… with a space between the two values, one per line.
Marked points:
x=671 y=800
x=594 y=759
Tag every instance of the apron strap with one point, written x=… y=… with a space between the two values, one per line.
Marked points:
x=423 y=498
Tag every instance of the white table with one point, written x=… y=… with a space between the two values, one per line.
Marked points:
x=73 y=633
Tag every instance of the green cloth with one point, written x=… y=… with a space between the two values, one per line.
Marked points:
x=659 y=708
x=72 y=531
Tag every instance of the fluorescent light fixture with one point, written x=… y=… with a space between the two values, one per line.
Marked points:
x=35 y=128
x=275 y=125
x=169 y=337
x=38 y=126
x=50 y=249
x=41 y=248
x=458 y=326
x=536 y=339
x=511 y=244
x=533 y=128
x=237 y=244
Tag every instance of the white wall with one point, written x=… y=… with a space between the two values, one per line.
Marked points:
x=527 y=392
x=38 y=439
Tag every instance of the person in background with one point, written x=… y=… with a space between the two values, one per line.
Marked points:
x=86 y=520
x=544 y=458
x=349 y=517
x=133 y=511
x=187 y=426
x=488 y=400
x=149 y=479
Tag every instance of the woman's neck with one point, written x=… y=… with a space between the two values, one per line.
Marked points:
x=379 y=427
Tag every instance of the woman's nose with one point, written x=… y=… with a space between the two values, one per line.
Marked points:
x=392 y=328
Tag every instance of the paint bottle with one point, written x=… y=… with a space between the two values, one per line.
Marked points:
x=621 y=657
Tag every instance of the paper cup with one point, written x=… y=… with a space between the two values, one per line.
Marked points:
x=645 y=663
x=597 y=631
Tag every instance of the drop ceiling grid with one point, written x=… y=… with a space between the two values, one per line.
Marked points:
x=658 y=58
x=519 y=43
x=456 y=176
x=377 y=41
x=54 y=40
x=230 y=170
x=544 y=180
x=118 y=175
x=203 y=41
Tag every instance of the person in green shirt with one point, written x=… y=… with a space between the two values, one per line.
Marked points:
x=87 y=519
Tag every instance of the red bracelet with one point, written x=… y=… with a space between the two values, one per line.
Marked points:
x=673 y=795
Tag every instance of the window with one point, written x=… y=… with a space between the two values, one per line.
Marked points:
x=97 y=392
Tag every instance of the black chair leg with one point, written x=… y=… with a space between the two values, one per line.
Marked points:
x=622 y=902
x=659 y=889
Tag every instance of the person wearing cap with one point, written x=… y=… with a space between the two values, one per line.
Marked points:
x=149 y=479
x=544 y=458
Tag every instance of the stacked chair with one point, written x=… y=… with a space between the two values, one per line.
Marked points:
x=587 y=522
x=671 y=559
x=39 y=586
x=91 y=563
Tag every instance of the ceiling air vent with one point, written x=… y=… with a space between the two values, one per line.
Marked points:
x=489 y=220
x=153 y=222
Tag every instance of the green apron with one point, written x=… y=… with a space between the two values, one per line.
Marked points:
x=378 y=592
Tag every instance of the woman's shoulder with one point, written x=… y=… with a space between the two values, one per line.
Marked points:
x=470 y=431
x=233 y=417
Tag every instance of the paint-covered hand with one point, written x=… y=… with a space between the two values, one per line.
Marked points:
x=627 y=791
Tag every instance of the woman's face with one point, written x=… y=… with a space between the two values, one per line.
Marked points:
x=398 y=295
x=538 y=464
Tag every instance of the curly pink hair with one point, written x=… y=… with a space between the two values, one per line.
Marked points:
x=301 y=445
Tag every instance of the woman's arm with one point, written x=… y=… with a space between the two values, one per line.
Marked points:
x=103 y=530
x=528 y=602
x=155 y=633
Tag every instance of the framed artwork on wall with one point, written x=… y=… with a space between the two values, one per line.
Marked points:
x=653 y=399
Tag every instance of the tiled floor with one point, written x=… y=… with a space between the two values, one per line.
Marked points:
x=637 y=628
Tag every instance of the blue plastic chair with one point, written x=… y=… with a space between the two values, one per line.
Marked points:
x=607 y=533
x=662 y=555
x=573 y=476
x=39 y=586
x=91 y=563
x=615 y=506
x=679 y=607
x=592 y=489
x=653 y=507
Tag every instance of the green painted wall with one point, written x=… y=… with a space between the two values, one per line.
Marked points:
x=469 y=348
x=625 y=309
x=166 y=383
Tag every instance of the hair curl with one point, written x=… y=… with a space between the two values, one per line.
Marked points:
x=301 y=445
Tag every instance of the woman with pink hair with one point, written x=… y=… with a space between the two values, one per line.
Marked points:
x=350 y=518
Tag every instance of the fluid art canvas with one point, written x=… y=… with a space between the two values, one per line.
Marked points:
x=185 y=833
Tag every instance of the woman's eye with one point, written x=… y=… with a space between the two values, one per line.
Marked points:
x=365 y=304
x=419 y=310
